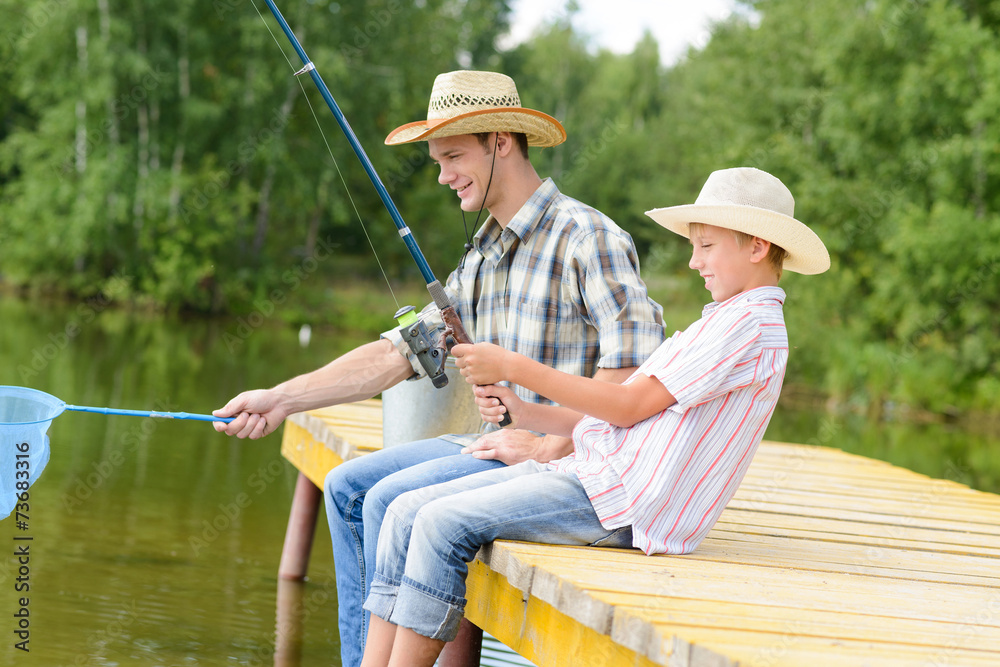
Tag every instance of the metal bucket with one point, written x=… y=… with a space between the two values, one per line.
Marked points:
x=415 y=410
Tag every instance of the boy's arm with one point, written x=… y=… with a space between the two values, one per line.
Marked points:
x=514 y=445
x=496 y=400
x=620 y=405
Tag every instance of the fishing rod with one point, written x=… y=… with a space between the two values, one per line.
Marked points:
x=430 y=349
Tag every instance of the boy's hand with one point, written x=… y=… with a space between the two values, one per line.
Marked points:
x=482 y=363
x=495 y=400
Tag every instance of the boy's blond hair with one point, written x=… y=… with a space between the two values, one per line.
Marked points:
x=775 y=256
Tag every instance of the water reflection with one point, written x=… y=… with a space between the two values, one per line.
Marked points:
x=156 y=542
x=290 y=615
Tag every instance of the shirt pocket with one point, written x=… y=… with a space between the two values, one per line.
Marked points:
x=535 y=326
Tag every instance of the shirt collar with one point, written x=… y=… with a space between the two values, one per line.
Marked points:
x=756 y=296
x=492 y=240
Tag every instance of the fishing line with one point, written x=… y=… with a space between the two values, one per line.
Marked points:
x=330 y=151
x=432 y=353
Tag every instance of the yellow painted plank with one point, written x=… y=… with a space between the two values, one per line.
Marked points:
x=359 y=423
x=933 y=529
x=318 y=440
x=765 y=550
x=772 y=597
x=895 y=536
x=536 y=630
x=852 y=559
x=790 y=649
x=915 y=508
x=823 y=557
x=788 y=463
x=312 y=459
x=754 y=584
x=898 y=484
x=887 y=626
x=917 y=635
x=812 y=556
x=874 y=600
x=887 y=482
x=371 y=408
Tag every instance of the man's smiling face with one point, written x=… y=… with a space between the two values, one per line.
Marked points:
x=465 y=167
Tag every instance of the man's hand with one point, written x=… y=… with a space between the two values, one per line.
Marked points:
x=359 y=374
x=256 y=414
x=514 y=446
x=507 y=445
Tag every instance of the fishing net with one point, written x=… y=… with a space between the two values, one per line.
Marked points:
x=25 y=415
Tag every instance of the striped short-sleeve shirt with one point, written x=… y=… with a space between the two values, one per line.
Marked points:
x=671 y=475
x=559 y=284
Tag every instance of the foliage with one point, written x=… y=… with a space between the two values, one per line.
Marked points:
x=162 y=152
x=166 y=146
x=875 y=115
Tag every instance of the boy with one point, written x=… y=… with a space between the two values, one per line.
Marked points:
x=655 y=459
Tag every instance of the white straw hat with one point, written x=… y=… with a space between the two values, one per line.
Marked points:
x=468 y=102
x=756 y=203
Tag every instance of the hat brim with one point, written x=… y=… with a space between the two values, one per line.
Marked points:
x=541 y=129
x=806 y=252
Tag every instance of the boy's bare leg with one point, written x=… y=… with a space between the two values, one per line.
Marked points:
x=378 y=646
x=412 y=649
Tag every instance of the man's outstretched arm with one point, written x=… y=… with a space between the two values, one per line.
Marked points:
x=359 y=374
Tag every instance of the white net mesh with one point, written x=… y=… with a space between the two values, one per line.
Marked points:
x=25 y=415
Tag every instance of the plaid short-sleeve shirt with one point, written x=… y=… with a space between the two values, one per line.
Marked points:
x=560 y=285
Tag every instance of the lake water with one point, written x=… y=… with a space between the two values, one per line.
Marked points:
x=157 y=542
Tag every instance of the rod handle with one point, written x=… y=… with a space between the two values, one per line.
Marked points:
x=460 y=335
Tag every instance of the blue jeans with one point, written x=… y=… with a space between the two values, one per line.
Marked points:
x=430 y=535
x=356 y=494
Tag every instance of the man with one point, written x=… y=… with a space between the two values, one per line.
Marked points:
x=545 y=276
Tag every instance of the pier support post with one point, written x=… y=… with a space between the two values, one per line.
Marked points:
x=466 y=648
x=301 y=528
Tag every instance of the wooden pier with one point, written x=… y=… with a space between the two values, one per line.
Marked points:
x=822 y=558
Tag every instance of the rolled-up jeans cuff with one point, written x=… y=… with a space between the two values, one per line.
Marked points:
x=426 y=611
x=382 y=597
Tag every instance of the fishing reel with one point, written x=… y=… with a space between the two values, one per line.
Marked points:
x=429 y=346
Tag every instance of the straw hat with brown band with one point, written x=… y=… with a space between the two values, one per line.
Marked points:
x=469 y=102
x=756 y=203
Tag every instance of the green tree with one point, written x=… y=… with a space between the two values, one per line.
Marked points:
x=165 y=149
x=875 y=114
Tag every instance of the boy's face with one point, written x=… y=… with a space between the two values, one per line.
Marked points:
x=725 y=266
x=465 y=167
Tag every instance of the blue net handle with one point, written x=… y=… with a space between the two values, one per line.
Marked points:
x=150 y=413
x=21 y=405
